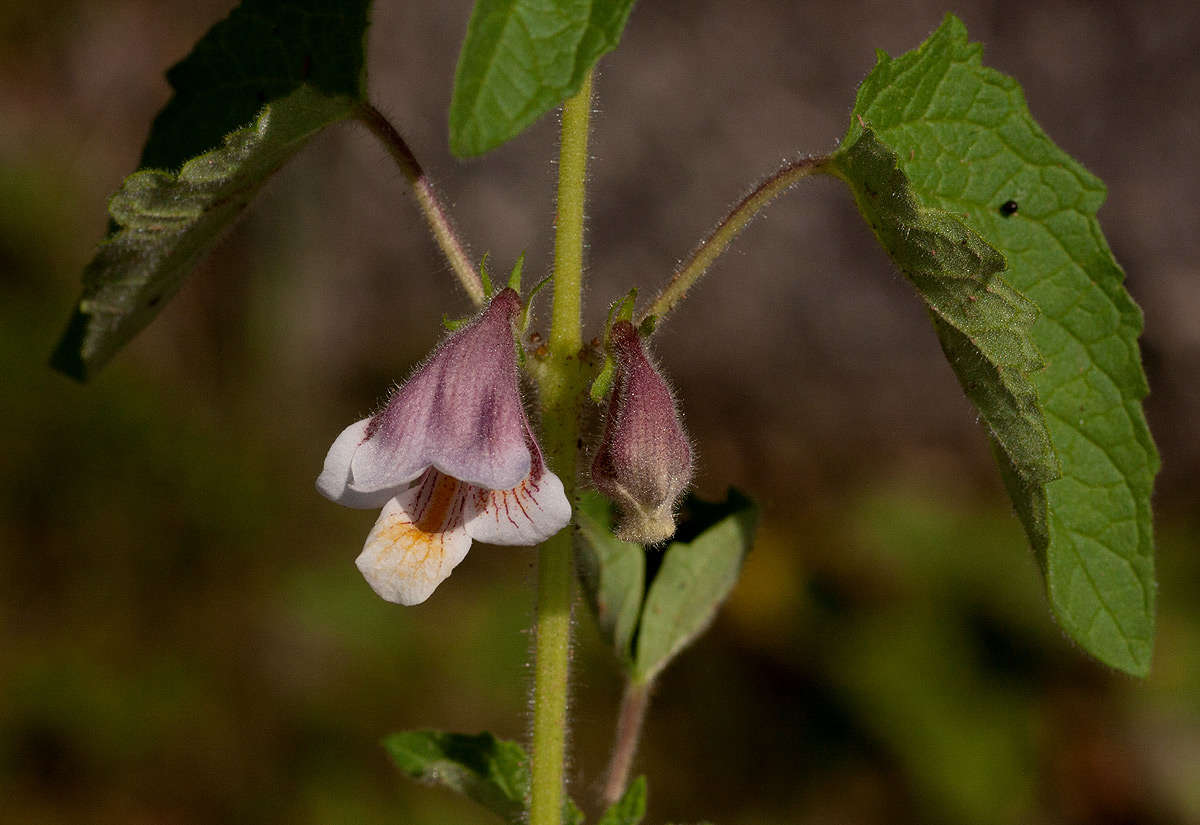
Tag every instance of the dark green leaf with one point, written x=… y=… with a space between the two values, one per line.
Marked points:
x=630 y=808
x=522 y=58
x=612 y=572
x=699 y=569
x=248 y=97
x=966 y=143
x=493 y=772
x=264 y=51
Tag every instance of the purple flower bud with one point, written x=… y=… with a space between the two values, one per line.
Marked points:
x=644 y=461
x=451 y=458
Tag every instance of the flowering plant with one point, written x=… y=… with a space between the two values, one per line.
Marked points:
x=451 y=458
x=990 y=222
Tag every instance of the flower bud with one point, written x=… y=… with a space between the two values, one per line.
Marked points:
x=644 y=462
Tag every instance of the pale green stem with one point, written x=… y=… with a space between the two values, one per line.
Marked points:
x=737 y=219
x=625 y=739
x=427 y=200
x=562 y=387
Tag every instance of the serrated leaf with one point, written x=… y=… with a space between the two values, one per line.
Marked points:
x=255 y=88
x=982 y=322
x=264 y=51
x=612 y=573
x=699 y=569
x=968 y=145
x=630 y=808
x=493 y=772
x=521 y=58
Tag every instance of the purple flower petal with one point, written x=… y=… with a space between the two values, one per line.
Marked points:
x=461 y=412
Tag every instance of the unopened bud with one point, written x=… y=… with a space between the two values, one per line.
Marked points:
x=644 y=462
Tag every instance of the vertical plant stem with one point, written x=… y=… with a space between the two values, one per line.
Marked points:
x=625 y=740
x=562 y=386
x=427 y=200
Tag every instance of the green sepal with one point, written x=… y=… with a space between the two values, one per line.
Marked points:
x=603 y=380
x=514 y=277
x=619 y=310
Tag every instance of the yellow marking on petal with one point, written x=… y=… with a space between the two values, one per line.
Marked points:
x=438 y=509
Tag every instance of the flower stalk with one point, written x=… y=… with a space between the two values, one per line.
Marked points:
x=738 y=218
x=427 y=199
x=562 y=387
x=625 y=740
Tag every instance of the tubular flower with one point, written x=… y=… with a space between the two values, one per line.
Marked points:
x=451 y=458
x=644 y=461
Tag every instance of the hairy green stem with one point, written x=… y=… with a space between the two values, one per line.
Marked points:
x=562 y=387
x=427 y=200
x=720 y=238
x=625 y=739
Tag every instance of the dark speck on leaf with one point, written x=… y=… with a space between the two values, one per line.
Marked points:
x=153 y=302
x=1008 y=208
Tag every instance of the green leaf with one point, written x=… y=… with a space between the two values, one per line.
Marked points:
x=983 y=323
x=612 y=572
x=256 y=87
x=264 y=51
x=699 y=569
x=630 y=808
x=522 y=58
x=967 y=144
x=493 y=772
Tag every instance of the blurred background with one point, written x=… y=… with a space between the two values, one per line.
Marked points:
x=184 y=637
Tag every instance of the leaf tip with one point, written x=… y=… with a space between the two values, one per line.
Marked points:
x=67 y=357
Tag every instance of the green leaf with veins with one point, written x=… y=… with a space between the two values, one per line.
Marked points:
x=965 y=144
x=521 y=58
x=611 y=571
x=253 y=91
x=264 y=51
x=699 y=569
x=982 y=322
x=493 y=772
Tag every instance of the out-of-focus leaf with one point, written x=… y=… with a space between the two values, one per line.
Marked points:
x=967 y=145
x=521 y=58
x=630 y=808
x=699 y=569
x=612 y=572
x=252 y=92
x=493 y=772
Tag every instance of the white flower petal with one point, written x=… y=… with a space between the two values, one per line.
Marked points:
x=336 y=479
x=529 y=513
x=418 y=539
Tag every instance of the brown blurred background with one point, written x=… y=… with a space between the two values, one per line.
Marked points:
x=183 y=636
